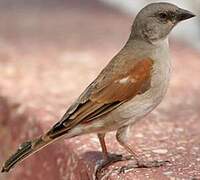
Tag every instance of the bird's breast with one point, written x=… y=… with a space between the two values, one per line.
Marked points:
x=142 y=104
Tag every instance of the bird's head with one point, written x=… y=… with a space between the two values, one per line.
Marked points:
x=155 y=21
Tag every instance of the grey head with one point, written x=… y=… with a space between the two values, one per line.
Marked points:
x=155 y=21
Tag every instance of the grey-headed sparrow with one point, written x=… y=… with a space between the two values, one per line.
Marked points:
x=132 y=84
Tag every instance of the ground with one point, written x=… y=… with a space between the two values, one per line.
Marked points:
x=48 y=56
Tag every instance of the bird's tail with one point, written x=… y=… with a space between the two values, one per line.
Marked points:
x=25 y=150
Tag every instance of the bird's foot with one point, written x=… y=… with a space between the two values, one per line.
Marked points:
x=141 y=164
x=113 y=158
x=101 y=168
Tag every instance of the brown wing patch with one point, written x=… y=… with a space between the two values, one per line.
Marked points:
x=127 y=85
x=122 y=88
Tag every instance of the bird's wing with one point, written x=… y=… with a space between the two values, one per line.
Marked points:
x=108 y=91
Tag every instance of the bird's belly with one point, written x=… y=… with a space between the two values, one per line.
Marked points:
x=141 y=105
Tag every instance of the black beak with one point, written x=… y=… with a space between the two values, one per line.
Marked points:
x=184 y=14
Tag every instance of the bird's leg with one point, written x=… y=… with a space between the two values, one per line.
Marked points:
x=107 y=159
x=122 y=137
x=103 y=146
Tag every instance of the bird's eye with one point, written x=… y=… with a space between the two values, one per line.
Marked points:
x=163 y=16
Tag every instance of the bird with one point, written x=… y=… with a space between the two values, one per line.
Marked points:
x=132 y=85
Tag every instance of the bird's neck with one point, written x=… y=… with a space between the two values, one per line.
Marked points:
x=161 y=42
x=146 y=47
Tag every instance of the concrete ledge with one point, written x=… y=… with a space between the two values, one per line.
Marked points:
x=39 y=79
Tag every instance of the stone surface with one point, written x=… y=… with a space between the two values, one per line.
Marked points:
x=44 y=66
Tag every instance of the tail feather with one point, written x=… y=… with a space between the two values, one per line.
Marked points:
x=30 y=147
x=25 y=150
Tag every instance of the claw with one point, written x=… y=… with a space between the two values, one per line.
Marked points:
x=99 y=171
x=151 y=164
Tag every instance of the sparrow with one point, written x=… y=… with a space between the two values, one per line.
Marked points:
x=132 y=84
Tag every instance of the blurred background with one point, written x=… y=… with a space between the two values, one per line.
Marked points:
x=38 y=39
x=68 y=24
x=50 y=50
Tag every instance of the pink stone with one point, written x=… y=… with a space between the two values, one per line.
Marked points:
x=40 y=79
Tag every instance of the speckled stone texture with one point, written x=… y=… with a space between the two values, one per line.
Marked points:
x=47 y=66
